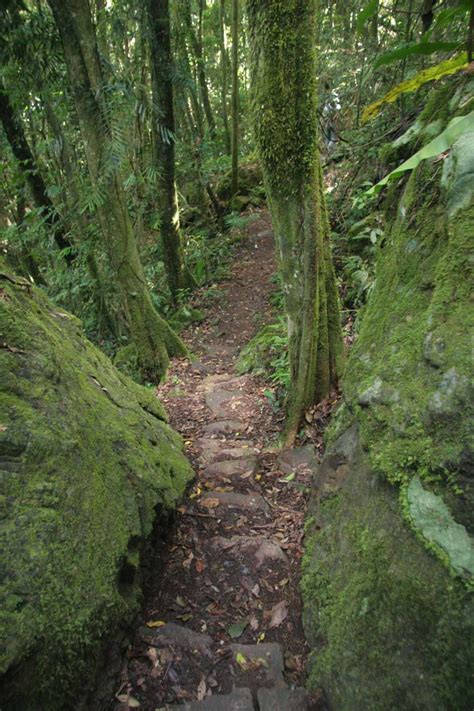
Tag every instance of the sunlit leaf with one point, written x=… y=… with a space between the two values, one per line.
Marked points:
x=449 y=66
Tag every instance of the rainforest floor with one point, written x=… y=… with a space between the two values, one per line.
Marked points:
x=227 y=571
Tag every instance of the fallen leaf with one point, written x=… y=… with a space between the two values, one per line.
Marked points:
x=210 y=503
x=131 y=702
x=201 y=690
x=279 y=613
x=260 y=637
x=181 y=601
x=237 y=629
x=200 y=566
x=241 y=660
x=155 y=623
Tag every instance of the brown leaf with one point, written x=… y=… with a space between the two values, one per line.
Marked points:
x=200 y=566
x=210 y=503
x=279 y=613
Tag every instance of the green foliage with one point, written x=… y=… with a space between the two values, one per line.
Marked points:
x=417 y=48
x=456 y=127
x=267 y=354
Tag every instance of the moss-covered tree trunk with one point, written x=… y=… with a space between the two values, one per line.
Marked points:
x=283 y=65
x=235 y=96
x=151 y=337
x=179 y=277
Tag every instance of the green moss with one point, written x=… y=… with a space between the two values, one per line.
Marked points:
x=389 y=627
x=86 y=460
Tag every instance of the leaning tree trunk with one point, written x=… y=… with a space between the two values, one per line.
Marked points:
x=21 y=150
x=284 y=81
x=179 y=277
x=235 y=97
x=151 y=337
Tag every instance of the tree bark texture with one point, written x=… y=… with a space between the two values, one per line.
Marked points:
x=235 y=96
x=179 y=277
x=151 y=337
x=284 y=80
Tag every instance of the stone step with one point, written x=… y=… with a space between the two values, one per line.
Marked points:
x=177 y=636
x=258 y=550
x=242 y=468
x=282 y=700
x=214 y=450
x=226 y=427
x=244 y=502
x=261 y=662
x=238 y=700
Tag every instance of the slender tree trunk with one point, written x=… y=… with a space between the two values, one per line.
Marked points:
x=196 y=45
x=178 y=274
x=223 y=58
x=235 y=97
x=22 y=152
x=151 y=337
x=284 y=83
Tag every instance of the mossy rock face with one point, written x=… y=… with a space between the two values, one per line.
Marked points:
x=389 y=627
x=391 y=559
x=86 y=461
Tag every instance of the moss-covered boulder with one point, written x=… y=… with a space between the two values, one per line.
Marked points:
x=390 y=554
x=251 y=190
x=87 y=460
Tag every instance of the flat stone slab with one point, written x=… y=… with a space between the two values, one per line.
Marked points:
x=222 y=380
x=298 y=460
x=241 y=452
x=174 y=635
x=272 y=660
x=233 y=467
x=282 y=700
x=244 y=502
x=260 y=550
x=238 y=700
x=228 y=403
x=225 y=427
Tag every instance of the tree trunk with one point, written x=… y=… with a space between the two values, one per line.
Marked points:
x=21 y=150
x=235 y=97
x=223 y=58
x=179 y=277
x=151 y=337
x=196 y=45
x=284 y=97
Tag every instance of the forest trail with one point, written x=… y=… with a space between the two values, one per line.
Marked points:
x=221 y=623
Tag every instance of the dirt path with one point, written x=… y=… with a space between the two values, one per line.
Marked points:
x=226 y=581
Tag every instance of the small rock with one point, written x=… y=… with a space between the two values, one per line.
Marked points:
x=270 y=653
x=259 y=549
x=225 y=426
x=299 y=459
x=246 y=502
x=232 y=467
x=172 y=634
x=282 y=700
x=238 y=700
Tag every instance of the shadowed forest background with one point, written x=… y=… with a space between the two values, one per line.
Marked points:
x=235 y=269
